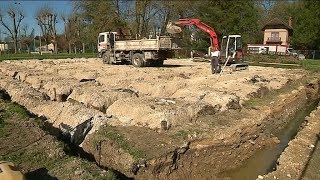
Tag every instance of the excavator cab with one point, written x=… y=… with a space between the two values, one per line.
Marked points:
x=231 y=46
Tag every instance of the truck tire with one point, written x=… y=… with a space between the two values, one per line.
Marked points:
x=137 y=60
x=106 y=58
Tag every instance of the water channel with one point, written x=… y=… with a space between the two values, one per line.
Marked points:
x=265 y=160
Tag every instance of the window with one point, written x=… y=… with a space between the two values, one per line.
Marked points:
x=239 y=43
x=101 y=38
x=274 y=35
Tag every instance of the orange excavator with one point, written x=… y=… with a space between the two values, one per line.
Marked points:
x=231 y=47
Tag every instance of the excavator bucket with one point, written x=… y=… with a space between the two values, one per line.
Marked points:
x=173 y=29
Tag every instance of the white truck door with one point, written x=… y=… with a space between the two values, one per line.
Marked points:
x=102 y=41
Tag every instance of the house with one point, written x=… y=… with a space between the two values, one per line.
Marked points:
x=277 y=32
x=4 y=47
x=276 y=39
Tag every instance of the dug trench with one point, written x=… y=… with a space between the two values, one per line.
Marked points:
x=216 y=152
x=201 y=146
x=32 y=142
x=164 y=155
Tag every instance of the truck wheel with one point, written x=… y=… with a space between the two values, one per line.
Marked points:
x=106 y=58
x=137 y=60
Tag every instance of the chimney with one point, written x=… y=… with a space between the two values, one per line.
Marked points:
x=290 y=21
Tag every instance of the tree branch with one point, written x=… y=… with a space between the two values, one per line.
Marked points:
x=5 y=25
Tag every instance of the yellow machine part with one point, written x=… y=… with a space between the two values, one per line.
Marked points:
x=9 y=172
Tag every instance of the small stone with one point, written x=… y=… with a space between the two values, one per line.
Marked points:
x=197 y=154
x=276 y=140
x=252 y=142
x=260 y=177
x=274 y=177
x=78 y=172
x=311 y=146
x=103 y=171
x=288 y=175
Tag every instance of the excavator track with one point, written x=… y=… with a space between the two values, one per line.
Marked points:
x=239 y=66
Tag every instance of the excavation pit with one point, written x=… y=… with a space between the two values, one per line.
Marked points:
x=173 y=121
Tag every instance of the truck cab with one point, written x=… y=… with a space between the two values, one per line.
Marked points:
x=105 y=40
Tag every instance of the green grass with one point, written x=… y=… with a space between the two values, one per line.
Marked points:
x=111 y=175
x=45 y=56
x=15 y=109
x=2 y=123
x=32 y=158
x=182 y=133
x=307 y=64
x=272 y=95
x=311 y=65
x=122 y=143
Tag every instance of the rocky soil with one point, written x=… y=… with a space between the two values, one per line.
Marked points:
x=133 y=118
x=36 y=153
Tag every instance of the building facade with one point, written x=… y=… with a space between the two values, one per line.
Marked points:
x=277 y=32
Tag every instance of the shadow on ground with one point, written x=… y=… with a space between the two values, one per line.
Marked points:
x=39 y=174
x=175 y=65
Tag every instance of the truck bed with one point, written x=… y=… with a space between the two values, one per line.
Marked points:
x=162 y=42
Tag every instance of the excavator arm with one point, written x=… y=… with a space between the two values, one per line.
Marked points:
x=173 y=29
x=204 y=27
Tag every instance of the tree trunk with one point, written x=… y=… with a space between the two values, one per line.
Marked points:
x=55 y=48
x=28 y=47
x=15 y=43
x=70 y=47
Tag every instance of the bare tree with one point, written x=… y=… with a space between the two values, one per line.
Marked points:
x=74 y=30
x=47 y=19
x=26 y=37
x=16 y=16
x=24 y=29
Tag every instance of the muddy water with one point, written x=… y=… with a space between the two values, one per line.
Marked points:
x=264 y=161
x=313 y=170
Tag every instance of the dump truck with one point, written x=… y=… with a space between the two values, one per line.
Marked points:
x=139 y=52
